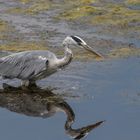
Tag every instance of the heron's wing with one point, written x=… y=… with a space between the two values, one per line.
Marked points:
x=22 y=65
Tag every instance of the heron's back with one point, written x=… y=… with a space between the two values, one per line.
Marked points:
x=45 y=53
x=25 y=65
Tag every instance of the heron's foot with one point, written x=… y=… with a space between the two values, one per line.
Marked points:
x=30 y=86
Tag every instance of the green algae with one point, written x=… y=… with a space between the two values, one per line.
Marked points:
x=37 y=7
x=87 y=11
x=133 y=2
x=76 y=9
x=22 y=46
x=24 y=1
x=81 y=11
x=109 y=14
x=3 y=26
x=5 y=30
x=124 y=52
x=93 y=12
x=31 y=7
x=82 y=56
x=78 y=2
x=118 y=16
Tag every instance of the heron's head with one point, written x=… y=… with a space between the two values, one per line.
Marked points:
x=77 y=41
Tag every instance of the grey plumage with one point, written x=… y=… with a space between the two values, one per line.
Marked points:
x=25 y=65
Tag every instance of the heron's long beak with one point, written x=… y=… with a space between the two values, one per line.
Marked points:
x=88 y=48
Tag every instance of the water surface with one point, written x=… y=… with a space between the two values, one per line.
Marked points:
x=94 y=90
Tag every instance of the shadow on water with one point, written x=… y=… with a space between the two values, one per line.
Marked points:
x=42 y=103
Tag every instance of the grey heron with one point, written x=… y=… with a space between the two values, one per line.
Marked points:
x=30 y=66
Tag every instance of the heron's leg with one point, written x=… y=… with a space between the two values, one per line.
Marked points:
x=28 y=84
x=32 y=83
x=25 y=83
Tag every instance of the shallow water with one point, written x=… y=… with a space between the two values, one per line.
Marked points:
x=95 y=90
x=95 y=94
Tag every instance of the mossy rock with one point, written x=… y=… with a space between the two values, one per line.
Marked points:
x=124 y=52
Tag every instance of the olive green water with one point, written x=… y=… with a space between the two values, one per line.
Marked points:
x=95 y=90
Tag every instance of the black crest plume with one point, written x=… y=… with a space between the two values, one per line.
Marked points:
x=76 y=39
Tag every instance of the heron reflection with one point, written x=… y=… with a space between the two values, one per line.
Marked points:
x=42 y=103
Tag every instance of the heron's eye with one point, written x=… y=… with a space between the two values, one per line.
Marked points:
x=79 y=41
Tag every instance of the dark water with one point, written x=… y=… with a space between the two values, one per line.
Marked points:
x=92 y=91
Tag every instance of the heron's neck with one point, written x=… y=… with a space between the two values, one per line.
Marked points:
x=66 y=59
